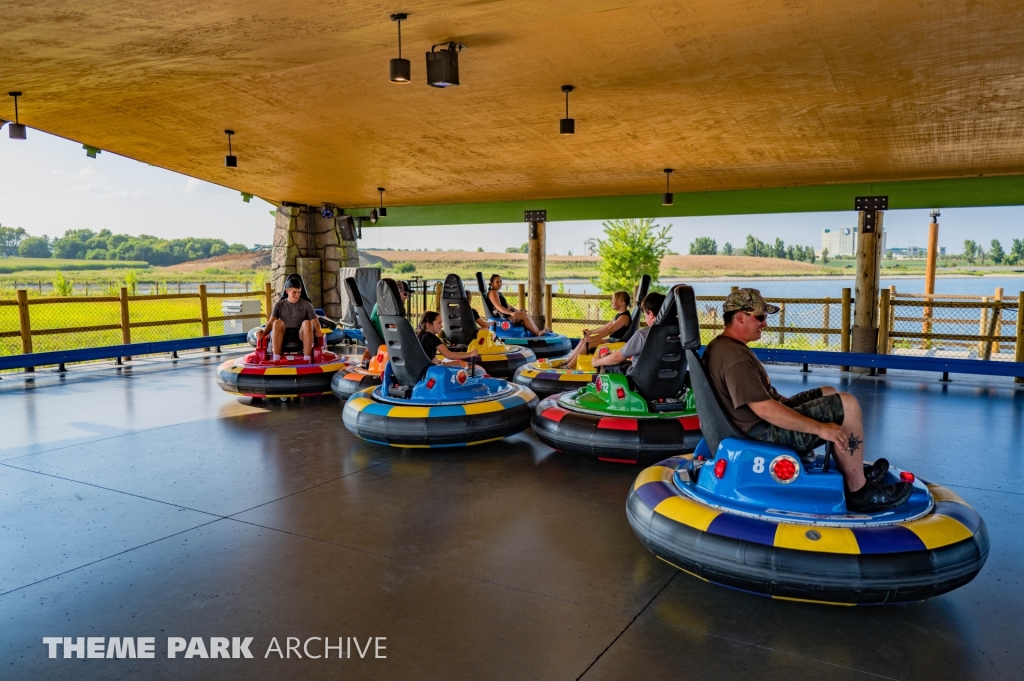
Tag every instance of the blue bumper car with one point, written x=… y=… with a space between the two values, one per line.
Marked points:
x=422 y=404
x=549 y=345
x=760 y=518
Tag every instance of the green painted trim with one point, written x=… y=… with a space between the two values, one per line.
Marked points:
x=949 y=193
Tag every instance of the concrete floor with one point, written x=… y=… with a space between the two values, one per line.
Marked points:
x=143 y=501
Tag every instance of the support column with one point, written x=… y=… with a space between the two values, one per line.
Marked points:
x=536 y=276
x=869 y=262
x=929 y=273
x=302 y=232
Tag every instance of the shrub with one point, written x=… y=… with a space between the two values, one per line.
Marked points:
x=630 y=248
x=405 y=267
x=62 y=287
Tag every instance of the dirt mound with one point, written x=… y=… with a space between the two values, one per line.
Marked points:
x=253 y=260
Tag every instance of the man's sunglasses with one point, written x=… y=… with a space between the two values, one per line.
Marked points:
x=759 y=317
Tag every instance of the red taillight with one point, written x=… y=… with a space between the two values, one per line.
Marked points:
x=461 y=377
x=505 y=326
x=720 y=468
x=602 y=352
x=906 y=476
x=620 y=393
x=380 y=357
x=784 y=469
x=600 y=384
x=430 y=383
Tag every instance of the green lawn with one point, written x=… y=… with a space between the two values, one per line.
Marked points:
x=13 y=265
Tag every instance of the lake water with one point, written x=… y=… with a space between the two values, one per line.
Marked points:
x=819 y=288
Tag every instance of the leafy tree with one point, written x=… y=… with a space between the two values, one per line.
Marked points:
x=811 y=255
x=10 y=237
x=703 y=245
x=970 y=250
x=479 y=249
x=1016 y=252
x=727 y=248
x=779 y=251
x=525 y=248
x=96 y=254
x=791 y=252
x=630 y=248
x=62 y=287
x=34 y=247
x=996 y=253
x=824 y=256
x=757 y=248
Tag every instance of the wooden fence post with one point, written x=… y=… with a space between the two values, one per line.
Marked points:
x=25 y=323
x=782 y=324
x=548 y=312
x=844 y=335
x=884 y=317
x=126 y=324
x=522 y=297
x=268 y=300
x=438 y=287
x=999 y=318
x=1019 y=349
x=204 y=313
x=826 y=323
x=982 y=325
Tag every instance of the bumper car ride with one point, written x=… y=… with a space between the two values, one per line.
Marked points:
x=448 y=408
x=257 y=376
x=611 y=422
x=757 y=518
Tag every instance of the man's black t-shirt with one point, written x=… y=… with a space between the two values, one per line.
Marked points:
x=430 y=343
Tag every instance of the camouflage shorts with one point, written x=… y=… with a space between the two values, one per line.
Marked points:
x=814 y=405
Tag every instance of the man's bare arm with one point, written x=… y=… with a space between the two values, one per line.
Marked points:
x=782 y=416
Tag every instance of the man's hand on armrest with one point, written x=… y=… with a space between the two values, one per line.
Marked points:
x=782 y=416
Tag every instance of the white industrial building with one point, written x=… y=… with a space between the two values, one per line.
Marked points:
x=842 y=241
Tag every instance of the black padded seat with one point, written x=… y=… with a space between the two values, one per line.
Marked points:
x=408 y=360
x=659 y=372
x=714 y=424
x=293 y=345
x=456 y=314
x=370 y=335
x=484 y=288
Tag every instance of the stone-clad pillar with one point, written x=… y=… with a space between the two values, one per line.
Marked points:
x=301 y=232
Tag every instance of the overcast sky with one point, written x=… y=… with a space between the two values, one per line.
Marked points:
x=48 y=185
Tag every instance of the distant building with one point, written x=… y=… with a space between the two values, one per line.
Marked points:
x=912 y=252
x=842 y=242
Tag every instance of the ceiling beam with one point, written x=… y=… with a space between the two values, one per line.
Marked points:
x=947 y=193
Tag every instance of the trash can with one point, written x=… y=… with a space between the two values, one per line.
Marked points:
x=231 y=308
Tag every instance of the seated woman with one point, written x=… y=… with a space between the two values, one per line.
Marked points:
x=480 y=321
x=430 y=325
x=609 y=333
x=293 y=319
x=502 y=307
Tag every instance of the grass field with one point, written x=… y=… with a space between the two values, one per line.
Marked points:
x=13 y=265
x=101 y=313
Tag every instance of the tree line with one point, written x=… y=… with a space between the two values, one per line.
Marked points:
x=705 y=245
x=85 y=244
x=973 y=251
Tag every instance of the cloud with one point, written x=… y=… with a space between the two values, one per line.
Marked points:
x=191 y=185
x=86 y=172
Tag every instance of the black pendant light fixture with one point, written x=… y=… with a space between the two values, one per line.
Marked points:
x=401 y=69
x=382 y=211
x=443 y=64
x=666 y=198
x=567 y=126
x=230 y=161
x=17 y=131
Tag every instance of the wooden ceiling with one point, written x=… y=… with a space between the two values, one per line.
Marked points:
x=732 y=94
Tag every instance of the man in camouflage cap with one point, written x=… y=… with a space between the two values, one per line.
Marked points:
x=802 y=422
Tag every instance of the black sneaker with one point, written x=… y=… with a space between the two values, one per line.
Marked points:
x=876 y=472
x=874 y=497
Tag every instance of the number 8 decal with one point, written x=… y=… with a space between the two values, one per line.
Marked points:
x=758 y=464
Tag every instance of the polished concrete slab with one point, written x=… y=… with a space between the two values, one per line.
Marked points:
x=143 y=501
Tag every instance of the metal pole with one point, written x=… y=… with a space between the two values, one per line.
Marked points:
x=1019 y=346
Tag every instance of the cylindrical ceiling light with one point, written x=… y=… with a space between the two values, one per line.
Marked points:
x=567 y=126
x=443 y=64
x=230 y=161
x=666 y=198
x=383 y=212
x=401 y=69
x=17 y=131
